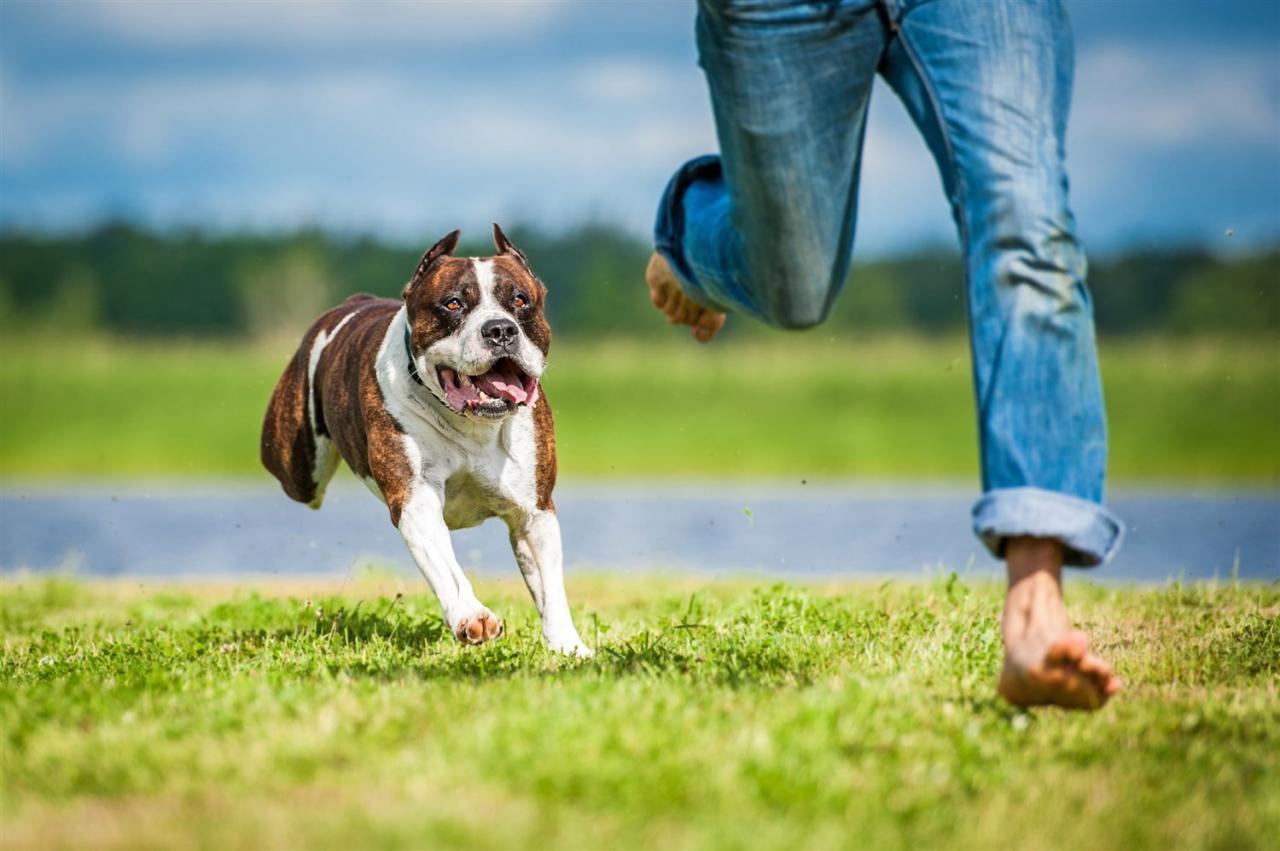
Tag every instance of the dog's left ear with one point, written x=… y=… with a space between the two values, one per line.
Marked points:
x=505 y=246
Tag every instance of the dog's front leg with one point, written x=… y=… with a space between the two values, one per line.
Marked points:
x=422 y=525
x=535 y=540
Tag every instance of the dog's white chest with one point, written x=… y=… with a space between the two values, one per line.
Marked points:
x=487 y=480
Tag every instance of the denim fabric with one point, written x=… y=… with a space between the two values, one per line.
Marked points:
x=766 y=228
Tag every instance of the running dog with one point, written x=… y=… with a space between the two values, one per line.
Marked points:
x=434 y=402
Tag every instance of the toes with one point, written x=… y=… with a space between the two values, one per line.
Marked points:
x=1068 y=650
x=665 y=294
x=683 y=313
x=1089 y=679
x=1104 y=678
x=707 y=325
x=672 y=305
x=479 y=628
x=1067 y=688
x=1084 y=684
x=1095 y=667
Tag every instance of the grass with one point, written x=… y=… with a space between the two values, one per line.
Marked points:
x=716 y=715
x=795 y=406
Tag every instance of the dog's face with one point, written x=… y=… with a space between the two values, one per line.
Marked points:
x=478 y=335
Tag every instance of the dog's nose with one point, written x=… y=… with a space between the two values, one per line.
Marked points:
x=499 y=333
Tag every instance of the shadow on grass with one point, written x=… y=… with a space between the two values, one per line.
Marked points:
x=767 y=641
x=390 y=623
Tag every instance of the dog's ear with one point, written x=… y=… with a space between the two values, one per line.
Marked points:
x=443 y=248
x=505 y=246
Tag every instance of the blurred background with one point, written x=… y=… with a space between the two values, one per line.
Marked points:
x=185 y=186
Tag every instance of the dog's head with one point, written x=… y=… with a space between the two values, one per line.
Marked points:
x=477 y=333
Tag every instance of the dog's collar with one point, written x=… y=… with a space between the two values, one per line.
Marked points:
x=408 y=350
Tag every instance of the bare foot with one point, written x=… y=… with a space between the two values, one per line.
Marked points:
x=478 y=627
x=1046 y=662
x=666 y=295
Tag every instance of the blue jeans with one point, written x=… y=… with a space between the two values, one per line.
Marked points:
x=766 y=228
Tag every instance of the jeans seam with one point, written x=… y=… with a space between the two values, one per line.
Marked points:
x=962 y=218
x=936 y=108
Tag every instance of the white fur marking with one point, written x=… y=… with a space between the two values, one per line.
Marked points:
x=497 y=466
x=486 y=280
x=326 y=456
x=323 y=339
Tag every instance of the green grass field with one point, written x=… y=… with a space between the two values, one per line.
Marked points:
x=794 y=406
x=722 y=715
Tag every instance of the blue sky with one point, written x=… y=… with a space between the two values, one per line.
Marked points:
x=406 y=119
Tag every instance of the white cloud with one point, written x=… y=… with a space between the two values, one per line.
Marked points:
x=1165 y=97
x=903 y=201
x=304 y=23
x=342 y=140
x=1175 y=140
x=641 y=82
x=336 y=145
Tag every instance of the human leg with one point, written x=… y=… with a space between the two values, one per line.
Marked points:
x=766 y=227
x=988 y=83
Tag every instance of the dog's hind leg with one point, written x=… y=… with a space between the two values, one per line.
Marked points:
x=288 y=439
x=296 y=447
x=327 y=458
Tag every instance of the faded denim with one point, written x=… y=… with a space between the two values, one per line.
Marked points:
x=766 y=228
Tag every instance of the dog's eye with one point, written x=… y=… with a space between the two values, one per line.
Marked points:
x=520 y=300
x=453 y=304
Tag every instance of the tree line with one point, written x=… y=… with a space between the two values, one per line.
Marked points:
x=123 y=279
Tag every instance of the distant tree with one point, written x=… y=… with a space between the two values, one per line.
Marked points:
x=1135 y=292
x=287 y=292
x=1240 y=297
x=130 y=281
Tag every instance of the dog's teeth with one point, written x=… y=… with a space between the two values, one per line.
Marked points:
x=484 y=397
x=464 y=380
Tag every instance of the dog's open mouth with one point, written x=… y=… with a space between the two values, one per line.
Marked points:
x=499 y=391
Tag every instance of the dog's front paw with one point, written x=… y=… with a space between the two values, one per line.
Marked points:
x=570 y=646
x=477 y=627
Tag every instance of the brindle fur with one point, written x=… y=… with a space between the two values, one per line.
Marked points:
x=544 y=430
x=348 y=403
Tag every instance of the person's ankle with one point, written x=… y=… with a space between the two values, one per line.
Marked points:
x=1035 y=559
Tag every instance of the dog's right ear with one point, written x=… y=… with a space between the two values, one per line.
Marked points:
x=443 y=248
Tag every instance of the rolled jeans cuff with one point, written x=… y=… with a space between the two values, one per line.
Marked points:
x=1089 y=533
x=669 y=229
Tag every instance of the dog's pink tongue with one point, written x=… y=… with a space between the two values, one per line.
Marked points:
x=503 y=382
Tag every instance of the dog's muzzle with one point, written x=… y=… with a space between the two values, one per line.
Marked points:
x=495 y=393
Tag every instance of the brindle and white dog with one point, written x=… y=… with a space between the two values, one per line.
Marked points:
x=434 y=402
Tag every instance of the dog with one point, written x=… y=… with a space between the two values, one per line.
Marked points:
x=435 y=402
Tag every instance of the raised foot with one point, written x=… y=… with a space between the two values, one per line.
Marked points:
x=477 y=627
x=666 y=295
x=1067 y=675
